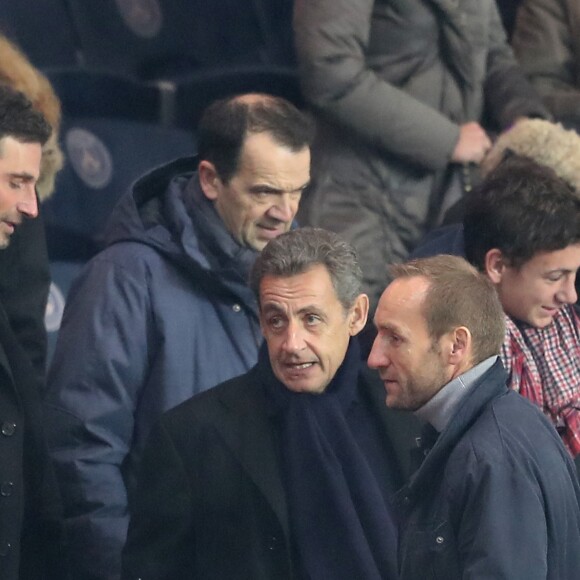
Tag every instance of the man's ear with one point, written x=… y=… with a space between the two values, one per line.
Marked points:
x=495 y=265
x=358 y=314
x=208 y=179
x=460 y=347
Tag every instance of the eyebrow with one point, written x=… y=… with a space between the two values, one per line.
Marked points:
x=259 y=187
x=390 y=328
x=23 y=176
x=560 y=271
x=271 y=307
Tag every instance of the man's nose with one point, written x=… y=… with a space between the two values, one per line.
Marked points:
x=28 y=204
x=378 y=356
x=567 y=293
x=284 y=209
x=294 y=340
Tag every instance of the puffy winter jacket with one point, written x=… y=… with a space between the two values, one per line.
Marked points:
x=163 y=313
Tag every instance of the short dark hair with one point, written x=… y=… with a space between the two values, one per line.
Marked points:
x=225 y=124
x=521 y=208
x=297 y=251
x=20 y=120
x=458 y=295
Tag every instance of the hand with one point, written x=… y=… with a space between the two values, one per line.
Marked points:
x=472 y=145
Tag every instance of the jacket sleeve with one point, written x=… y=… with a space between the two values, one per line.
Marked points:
x=331 y=40
x=543 y=43
x=160 y=542
x=99 y=367
x=500 y=520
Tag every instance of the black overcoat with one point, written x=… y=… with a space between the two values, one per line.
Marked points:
x=30 y=518
x=211 y=502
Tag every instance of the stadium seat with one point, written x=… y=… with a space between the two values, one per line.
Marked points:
x=153 y=39
x=42 y=29
x=197 y=90
x=86 y=93
x=63 y=274
x=103 y=158
x=275 y=18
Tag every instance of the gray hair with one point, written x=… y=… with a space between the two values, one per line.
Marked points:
x=299 y=250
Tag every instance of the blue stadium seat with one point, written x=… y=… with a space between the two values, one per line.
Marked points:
x=103 y=158
x=63 y=274
x=197 y=90
x=87 y=93
x=152 y=39
x=275 y=18
x=42 y=29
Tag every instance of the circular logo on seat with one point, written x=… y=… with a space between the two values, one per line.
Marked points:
x=143 y=17
x=89 y=157
x=54 y=308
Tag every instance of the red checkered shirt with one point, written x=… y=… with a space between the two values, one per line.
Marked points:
x=544 y=366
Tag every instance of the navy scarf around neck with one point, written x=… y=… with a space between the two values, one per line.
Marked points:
x=341 y=525
x=219 y=242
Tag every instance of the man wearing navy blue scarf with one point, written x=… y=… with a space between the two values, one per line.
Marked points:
x=288 y=471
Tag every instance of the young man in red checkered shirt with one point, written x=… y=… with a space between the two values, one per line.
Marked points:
x=522 y=228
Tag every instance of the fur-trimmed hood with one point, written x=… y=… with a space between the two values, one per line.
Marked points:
x=17 y=71
x=546 y=143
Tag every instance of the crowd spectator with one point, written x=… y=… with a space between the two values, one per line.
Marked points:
x=164 y=311
x=288 y=470
x=30 y=516
x=24 y=270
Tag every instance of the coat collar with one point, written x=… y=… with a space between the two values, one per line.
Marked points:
x=491 y=385
x=400 y=428
x=251 y=437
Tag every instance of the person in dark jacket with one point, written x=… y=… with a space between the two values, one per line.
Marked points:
x=288 y=471
x=30 y=538
x=496 y=495
x=24 y=269
x=164 y=311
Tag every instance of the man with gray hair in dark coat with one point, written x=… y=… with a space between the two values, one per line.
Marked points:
x=287 y=471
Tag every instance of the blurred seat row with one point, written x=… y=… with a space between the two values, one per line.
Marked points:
x=150 y=39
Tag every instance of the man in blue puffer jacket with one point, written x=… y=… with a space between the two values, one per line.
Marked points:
x=164 y=312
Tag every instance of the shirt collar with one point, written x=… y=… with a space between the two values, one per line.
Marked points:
x=439 y=410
